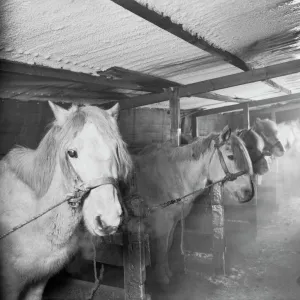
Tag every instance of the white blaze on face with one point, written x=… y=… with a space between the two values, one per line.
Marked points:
x=102 y=210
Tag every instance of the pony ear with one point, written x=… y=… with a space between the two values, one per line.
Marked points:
x=114 y=111
x=59 y=112
x=225 y=134
x=73 y=108
x=257 y=123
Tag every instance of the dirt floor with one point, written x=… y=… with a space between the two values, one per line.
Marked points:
x=267 y=269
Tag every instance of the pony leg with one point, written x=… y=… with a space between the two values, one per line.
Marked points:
x=159 y=247
x=162 y=225
x=9 y=290
x=170 y=242
x=35 y=291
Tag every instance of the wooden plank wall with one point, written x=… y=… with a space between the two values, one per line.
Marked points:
x=143 y=126
x=24 y=123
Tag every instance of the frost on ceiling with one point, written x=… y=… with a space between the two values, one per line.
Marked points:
x=260 y=32
x=92 y=35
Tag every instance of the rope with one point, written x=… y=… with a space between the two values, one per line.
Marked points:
x=228 y=177
x=97 y=283
x=98 y=279
x=182 y=230
x=78 y=193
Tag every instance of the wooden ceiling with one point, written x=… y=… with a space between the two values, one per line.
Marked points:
x=132 y=88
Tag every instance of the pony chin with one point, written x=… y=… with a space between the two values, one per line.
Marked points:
x=242 y=195
x=261 y=168
x=279 y=151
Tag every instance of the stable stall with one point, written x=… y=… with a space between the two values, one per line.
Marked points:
x=176 y=73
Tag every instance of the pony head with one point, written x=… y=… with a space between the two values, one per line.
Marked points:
x=255 y=146
x=268 y=130
x=236 y=159
x=88 y=139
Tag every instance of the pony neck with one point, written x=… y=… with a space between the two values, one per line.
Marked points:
x=195 y=172
x=60 y=224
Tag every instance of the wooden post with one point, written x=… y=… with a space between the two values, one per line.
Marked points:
x=218 y=229
x=134 y=257
x=246 y=116
x=194 y=126
x=275 y=170
x=174 y=103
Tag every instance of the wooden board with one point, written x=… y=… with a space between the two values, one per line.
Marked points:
x=73 y=289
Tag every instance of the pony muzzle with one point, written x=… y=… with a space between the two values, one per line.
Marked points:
x=102 y=211
x=248 y=194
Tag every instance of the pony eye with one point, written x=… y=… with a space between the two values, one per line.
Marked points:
x=72 y=153
x=230 y=157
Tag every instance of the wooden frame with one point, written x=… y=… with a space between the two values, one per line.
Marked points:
x=254 y=104
x=165 y=23
x=188 y=90
x=174 y=103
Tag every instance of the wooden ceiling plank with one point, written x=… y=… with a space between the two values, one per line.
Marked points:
x=253 y=104
x=164 y=22
x=66 y=75
x=224 y=82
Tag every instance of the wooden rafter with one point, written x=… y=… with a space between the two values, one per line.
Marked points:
x=210 y=85
x=280 y=107
x=164 y=22
x=66 y=75
x=219 y=97
x=41 y=79
x=253 y=104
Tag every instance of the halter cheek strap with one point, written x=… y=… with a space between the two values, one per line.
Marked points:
x=228 y=175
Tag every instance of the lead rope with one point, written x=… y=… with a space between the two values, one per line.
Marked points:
x=98 y=279
x=182 y=230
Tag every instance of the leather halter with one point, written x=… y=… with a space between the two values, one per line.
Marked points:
x=81 y=188
x=228 y=175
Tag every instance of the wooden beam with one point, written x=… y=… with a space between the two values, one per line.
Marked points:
x=273 y=116
x=175 y=117
x=164 y=22
x=66 y=75
x=246 y=117
x=194 y=126
x=219 y=97
x=205 y=86
x=278 y=108
x=257 y=103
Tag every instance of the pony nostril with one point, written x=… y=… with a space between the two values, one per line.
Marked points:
x=248 y=194
x=99 y=222
x=104 y=227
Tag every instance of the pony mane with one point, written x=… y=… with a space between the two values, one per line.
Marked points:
x=269 y=127
x=36 y=167
x=251 y=138
x=187 y=152
x=197 y=148
x=240 y=153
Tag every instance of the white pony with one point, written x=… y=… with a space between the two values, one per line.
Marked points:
x=166 y=172
x=82 y=146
